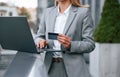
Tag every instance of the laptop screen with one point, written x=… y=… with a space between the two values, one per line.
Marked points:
x=15 y=34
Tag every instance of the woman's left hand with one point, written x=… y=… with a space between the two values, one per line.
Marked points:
x=64 y=40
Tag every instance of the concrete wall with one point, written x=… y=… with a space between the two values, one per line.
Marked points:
x=105 y=60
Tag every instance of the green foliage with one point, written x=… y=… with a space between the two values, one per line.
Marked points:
x=108 y=30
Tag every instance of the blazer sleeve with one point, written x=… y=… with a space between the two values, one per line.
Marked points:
x=87 y=43
x=41 y=30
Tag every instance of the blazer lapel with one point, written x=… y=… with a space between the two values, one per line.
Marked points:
x=70 y=18
x=52 y=19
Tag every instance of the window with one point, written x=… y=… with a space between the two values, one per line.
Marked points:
x=10 y=13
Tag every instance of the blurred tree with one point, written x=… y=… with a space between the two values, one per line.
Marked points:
x=24 y=12
x=108 y=30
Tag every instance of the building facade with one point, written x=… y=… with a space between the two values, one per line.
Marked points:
x=8 y=10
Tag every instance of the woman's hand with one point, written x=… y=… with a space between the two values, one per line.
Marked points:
x=42 y=44
x=64 y=40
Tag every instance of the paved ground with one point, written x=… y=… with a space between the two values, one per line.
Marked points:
x=5 y=60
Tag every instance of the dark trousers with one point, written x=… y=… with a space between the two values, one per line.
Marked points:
x=57 y=69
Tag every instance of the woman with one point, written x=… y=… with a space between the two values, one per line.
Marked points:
x=73 y=23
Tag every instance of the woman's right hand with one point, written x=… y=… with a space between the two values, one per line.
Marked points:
x=42 y=44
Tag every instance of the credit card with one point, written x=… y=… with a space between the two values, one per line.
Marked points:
x=52 y=36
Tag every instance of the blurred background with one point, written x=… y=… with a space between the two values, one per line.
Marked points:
x=33 y=10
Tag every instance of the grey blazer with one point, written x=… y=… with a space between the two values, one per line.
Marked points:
x=80 y=28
